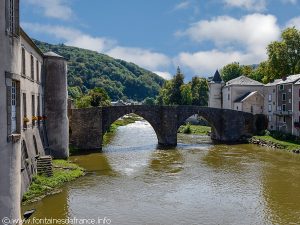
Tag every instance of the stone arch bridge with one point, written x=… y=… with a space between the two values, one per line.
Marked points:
x=87 y=126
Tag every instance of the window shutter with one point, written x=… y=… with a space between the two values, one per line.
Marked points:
x=6 y=15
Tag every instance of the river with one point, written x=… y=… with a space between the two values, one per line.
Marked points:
x=133 y=182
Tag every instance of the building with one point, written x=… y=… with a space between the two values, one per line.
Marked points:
x=282 y=104
x=279 y=100
x=33 y=108
x=241 y=93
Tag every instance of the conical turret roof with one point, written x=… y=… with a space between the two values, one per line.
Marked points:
x=217 y=77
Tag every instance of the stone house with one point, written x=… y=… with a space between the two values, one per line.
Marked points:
x=279 y=100
x=33 y=108
x=241 y=93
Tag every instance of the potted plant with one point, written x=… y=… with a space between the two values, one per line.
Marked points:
x=25 y=120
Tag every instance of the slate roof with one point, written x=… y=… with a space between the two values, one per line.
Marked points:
x=52 y=54
x=243 y=80
x=273 y=83
x=290 y=79
x=217 y=77
x=245 y=96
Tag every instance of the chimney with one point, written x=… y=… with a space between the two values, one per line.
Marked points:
x=283 y=77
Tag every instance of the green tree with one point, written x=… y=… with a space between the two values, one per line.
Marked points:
x=83 y=102
x=99 y=97
x=231 y=71
x=96 y=97
x=174 y=93
x=149 y=101
x=284 y=55
x=186 y=94
x=199 y=88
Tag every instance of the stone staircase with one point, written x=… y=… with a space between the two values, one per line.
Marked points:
x=44 y=166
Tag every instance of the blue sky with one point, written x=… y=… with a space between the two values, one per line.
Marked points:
x=159 y=35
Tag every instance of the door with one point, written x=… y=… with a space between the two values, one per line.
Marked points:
x=13 y=107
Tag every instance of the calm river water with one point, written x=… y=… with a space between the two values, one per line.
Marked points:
x=133 y=182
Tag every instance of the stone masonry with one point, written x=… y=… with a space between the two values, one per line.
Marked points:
x=87 y=126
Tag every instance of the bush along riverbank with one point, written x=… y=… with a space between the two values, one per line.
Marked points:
x=42 y=186
x=277 y=140
x=194 y=129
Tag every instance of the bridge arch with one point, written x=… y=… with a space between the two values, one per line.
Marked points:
x=112 y=114
x=213 y=118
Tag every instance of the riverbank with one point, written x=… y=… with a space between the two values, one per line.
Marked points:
x=271 y=142
x=42 y=186
x=194 y=129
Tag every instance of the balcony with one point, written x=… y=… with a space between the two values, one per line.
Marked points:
x=283 y=113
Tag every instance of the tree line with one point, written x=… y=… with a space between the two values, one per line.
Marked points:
x=283 y=60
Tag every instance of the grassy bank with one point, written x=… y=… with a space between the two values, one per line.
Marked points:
x=276 y=143
x=194 y=129
x=63 y=171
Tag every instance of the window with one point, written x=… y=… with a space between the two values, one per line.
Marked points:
x=283 y=107
x=237 y=108
x=251 y=108
x=24 y=110
x=290 y=101
x=37 y=71
x=270 y=108
x=281 y=87
x=12 y=17
x=273 y=90
x=23 y=62
x=33 y=108
x=270 y=118
x=270 y=97
x=279 y=108
x=299 y=107
x=284 y=119
x=228 y=97
x=32 y=67
x=13 y=107
x=290 y=90
x=38 y=107
x=284 y=97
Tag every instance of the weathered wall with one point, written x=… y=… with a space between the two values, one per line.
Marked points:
x=215 y=95
x=89 y=125
x=10 y=179
x=86 y=128
x=56 y=109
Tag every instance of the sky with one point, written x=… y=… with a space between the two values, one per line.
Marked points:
x=159 y=35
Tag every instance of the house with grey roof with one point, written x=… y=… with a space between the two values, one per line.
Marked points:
x=241 y=93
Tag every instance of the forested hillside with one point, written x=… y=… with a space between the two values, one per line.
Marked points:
x=88 y=69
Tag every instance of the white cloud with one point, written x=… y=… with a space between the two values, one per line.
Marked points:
x=206 y=62
x=143 y=57
x=165 y=75
x=243 y=40
x=182 y=5
x=73 y=37
x=252 y=32
x=57 y=9
x=294 y=22
x=251 y=5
